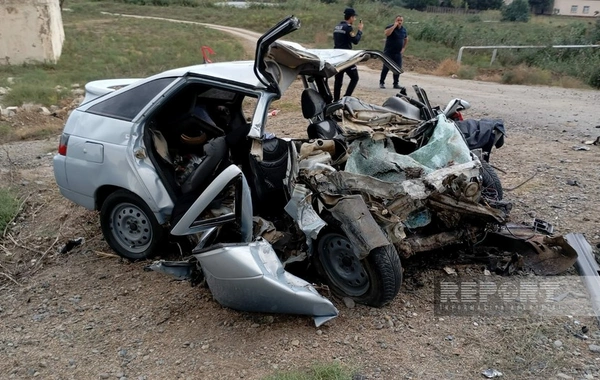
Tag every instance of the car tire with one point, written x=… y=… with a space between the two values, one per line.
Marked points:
x=373 y=281
x=129 y=226
x=492 y=187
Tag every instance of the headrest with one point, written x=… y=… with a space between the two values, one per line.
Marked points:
x=200 y=139
x=312 y=103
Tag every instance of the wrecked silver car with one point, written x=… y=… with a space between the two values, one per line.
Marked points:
x=184 y=154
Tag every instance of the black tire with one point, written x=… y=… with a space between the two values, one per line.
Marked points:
x=373 y=281
x=129 y=226
x=492 y=188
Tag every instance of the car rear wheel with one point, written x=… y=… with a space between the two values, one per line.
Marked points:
x=129 y=226
x=373 y=281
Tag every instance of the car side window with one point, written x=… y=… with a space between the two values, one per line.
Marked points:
x=128 y=104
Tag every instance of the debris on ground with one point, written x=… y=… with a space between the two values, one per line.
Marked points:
x=491 y=373
x=71 y=244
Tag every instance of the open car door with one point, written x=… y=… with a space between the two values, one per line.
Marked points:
x=263 y=67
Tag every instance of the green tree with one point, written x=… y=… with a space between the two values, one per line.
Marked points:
x=540 y=6
x=595 y=34
x=518 y=10
x=483 y=5
x=419 y=5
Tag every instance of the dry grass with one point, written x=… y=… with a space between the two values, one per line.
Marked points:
x=30 y=126
x=494 y=77
x=527 y=75
x=287 y=104
x=321 y=38
x=447 y=67
x=570 y=82
x=527 y=348
x=25 y=250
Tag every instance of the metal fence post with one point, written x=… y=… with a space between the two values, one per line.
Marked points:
x=494 y=53
x=460 y=51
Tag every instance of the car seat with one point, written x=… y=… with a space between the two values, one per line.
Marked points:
x=322 y=125
x=196 y=126
x=267 y=177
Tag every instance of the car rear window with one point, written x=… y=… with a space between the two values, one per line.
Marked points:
x=127 y=105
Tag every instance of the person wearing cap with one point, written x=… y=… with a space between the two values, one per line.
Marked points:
x=344 y=35
x=396 y=39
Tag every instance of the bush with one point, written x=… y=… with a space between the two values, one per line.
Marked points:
x=518 y=10
x=595 y=33
x=6 y=133
x=467 y=72
x=484 y=4
x=523 y=74
x=447 y=68
x=419 y=5
x=594 y=80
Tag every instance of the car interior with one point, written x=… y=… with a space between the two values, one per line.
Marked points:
x=195 y=133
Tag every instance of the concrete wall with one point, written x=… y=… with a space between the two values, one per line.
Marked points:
x=567 y=7
x=30 y=30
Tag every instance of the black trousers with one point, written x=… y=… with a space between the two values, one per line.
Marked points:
x=352 y=72
x=396 y=57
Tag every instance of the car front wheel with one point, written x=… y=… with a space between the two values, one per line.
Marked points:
x=492 y=187
x=373 y=281
x=129 y=226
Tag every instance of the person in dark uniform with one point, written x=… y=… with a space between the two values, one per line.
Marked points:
x=344 y=35
x=395 y=44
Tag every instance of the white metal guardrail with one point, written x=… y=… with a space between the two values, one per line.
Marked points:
x=495 y=51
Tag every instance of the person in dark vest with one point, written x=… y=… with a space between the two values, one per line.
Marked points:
x=344 y=35
x=395 y=44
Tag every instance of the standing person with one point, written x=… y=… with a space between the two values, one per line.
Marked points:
x=344 y=35
x=395 y=44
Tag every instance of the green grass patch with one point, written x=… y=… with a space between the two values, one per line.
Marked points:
x=6 y=133
x=333 y=371
x=9 y=207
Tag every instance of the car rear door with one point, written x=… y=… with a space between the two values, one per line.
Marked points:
x=102 y=135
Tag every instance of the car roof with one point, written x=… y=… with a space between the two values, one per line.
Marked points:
x=236 y=71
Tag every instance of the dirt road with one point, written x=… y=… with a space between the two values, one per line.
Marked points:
x=87 y=315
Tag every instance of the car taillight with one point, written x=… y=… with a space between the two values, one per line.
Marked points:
x=62 y=145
